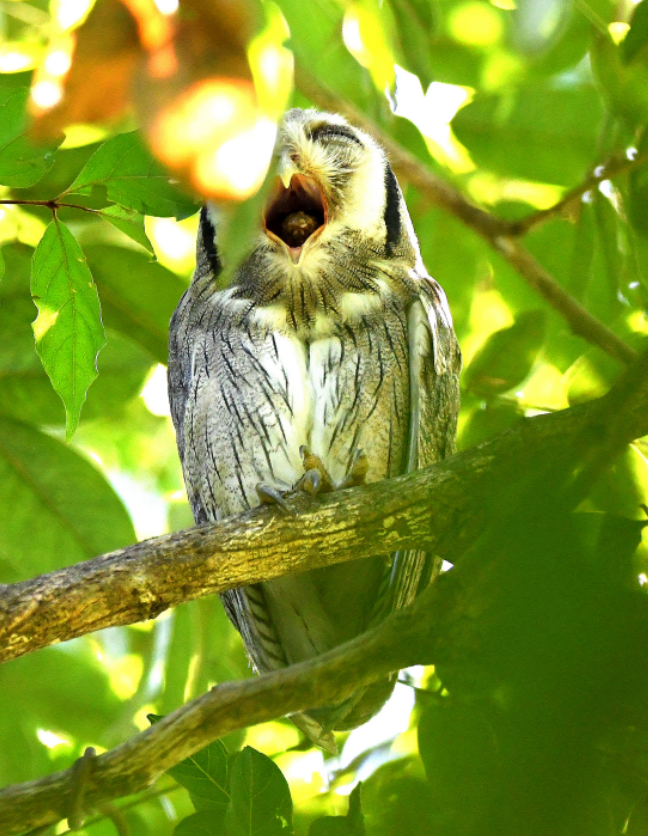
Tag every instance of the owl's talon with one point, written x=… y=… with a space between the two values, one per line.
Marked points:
x=271 y=496
x=311 y=482
x=314 y=463
x=359 y=470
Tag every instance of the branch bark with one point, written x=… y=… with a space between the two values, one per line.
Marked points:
x=434 y=629
x=442 y=509
x=500 y=234
x=429 y=631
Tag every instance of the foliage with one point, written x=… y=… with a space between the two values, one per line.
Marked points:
x=536 y=721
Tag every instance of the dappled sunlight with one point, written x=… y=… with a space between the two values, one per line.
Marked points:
x=174 y=242
x=216 y=133
x=432 y=114
x=155 y=393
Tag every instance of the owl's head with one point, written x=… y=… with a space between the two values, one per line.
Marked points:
x=334 y=184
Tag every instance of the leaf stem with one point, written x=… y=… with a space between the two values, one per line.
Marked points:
x=49 y=204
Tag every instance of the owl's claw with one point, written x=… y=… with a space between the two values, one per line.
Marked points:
x=311 y=482
x=271 y=496
x=316 y=478
x=359 y=470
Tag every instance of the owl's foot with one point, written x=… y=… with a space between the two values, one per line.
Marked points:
x=271 y=496
x=359 y=470
x=316 y=478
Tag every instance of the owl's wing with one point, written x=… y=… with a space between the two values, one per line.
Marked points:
x=434 y=366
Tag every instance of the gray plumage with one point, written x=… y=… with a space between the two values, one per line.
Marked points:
x=331 y=336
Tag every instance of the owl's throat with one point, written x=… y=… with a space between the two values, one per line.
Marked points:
x=295 y=214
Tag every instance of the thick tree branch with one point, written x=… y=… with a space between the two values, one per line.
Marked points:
x=442 y=509
x=434 y=629
x=500 y=234
x=437 y=628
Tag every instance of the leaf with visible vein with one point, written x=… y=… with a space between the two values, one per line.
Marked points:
x=68 y=329
x=22 y=162
x=133 y=179
x=205 y=776
x=129 y=222
x=261 y=804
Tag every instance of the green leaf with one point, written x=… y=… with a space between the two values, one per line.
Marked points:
x=55 y=507
x=133 y=179
x=69 y=332
x=624 y=85
x=204 y=823
x=350 y=825
x=488 y=420
x=2 y=265
x=459 y=751
x=507 y=356
x=637 y=37
x=205 y=776
x=315 y=29
x=25 y=390
x=415 y=25
x=22 y=162
x=138 y=296
x=260 y=804
x=129 y=222
x=516 y=134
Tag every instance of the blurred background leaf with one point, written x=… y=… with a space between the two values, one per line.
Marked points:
x=540 y=728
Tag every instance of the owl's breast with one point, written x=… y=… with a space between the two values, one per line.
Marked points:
x=360 y=385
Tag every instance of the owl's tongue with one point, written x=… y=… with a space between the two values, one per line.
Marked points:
x=296 y=212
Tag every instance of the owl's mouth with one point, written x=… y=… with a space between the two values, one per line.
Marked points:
x=296 y=213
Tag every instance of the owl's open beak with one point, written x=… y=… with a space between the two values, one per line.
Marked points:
x=295 y=213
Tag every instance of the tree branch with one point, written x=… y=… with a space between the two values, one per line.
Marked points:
x=439 y=627
x=615 y=165
x=500 y=234
x=442 y=509
x=133 y=765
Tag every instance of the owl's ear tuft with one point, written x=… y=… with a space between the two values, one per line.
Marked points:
x=206 y=248
x=392 y=215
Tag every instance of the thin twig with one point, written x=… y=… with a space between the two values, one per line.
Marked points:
x=49 y=204
x=618 y=164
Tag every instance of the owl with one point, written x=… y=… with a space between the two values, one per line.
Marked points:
x=329 y=361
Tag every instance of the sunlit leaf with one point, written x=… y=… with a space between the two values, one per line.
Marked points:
x=69 y=332
x=78 y=513
x=516 y=133
x=22 y=162
x=130 y=222
x=260 y=797
x=507 y=356
x=132 y=178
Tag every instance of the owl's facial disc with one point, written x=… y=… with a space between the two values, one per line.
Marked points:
x=296 y=214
